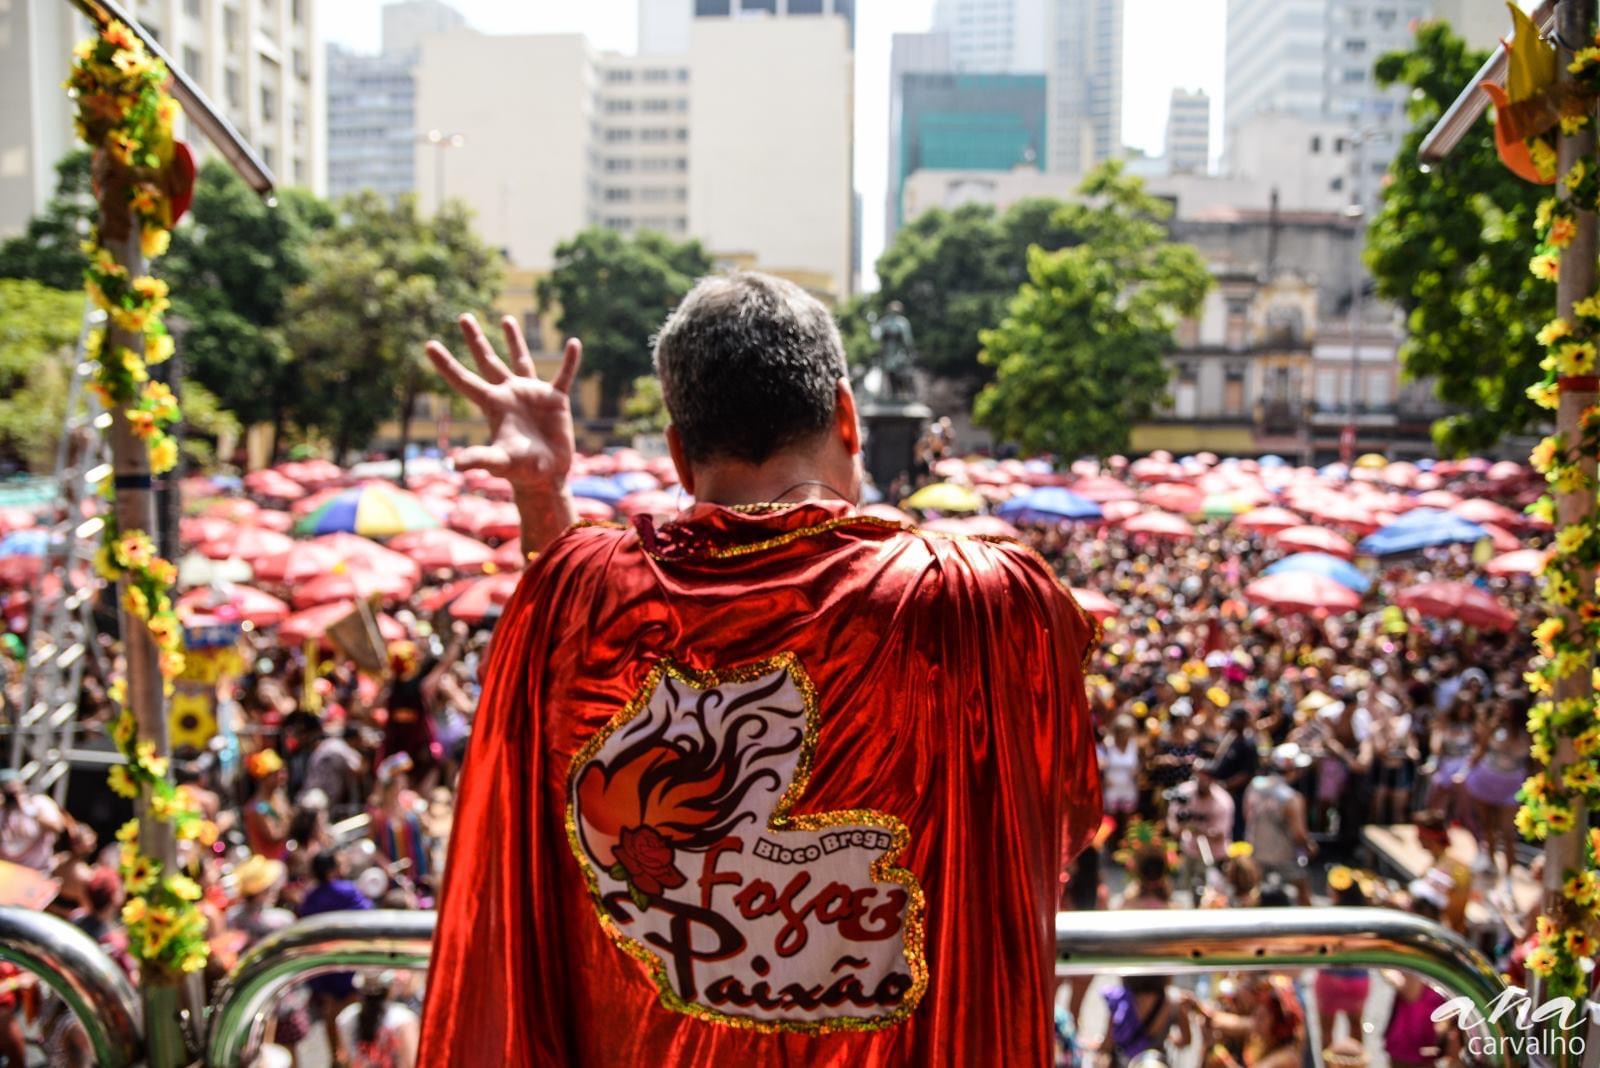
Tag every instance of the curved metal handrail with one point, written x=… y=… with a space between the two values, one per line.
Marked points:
x=78 y=970
x=1129 y=943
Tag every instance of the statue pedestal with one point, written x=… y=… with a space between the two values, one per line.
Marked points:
x=892 y=428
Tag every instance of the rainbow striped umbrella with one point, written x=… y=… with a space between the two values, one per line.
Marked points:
x=376 y=510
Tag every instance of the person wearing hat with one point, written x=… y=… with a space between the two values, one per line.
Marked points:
x=29 y=824
x=267 y=814
x=257 y=882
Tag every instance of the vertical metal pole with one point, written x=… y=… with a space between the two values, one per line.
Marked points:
x=134 y=506
x=1564 y=853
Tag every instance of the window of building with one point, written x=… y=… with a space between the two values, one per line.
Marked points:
x=1316 y=144
x=230 y=27
x=616 y=76
x=1355 y=46
x=192 y=8
x=615 y=107
x=616 y=166
x=297 y=11
x=618 y=196
x=658 y=74
x=618 y=136
x=230 y=88
x=805 y=7
x=269 y=104
x=1354 y=75
x=654 y=135
x=270 y=157
x=1378 y=389
x=683 y=74
x=712 y=8
x=1233 y=389
x=656 y=104
x=191 y=63
x=1336 y=184
x=769 y=6
x=299 y=172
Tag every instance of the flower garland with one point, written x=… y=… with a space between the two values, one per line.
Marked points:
x=141 y=182
x=1553 y=799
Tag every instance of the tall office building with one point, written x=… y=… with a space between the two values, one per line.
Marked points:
x=664 y=25
x=372 y=122
x=993 y=36
x=255 y=59
x=1084 y=70
x=742 y=140
x=908 y=53
x=1189 y=132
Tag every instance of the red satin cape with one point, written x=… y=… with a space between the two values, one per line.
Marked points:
x=949 y=698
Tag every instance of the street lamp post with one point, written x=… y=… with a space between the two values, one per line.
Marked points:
x=441 y=141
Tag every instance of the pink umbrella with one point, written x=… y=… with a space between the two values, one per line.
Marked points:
x=1438 y=498
x=485 y=596
x=248 y=543
x=488 y=485
x=311 y=472
x=1118 y=511
x=307 y=505
x=486 y=519
x=306 y=560
x=275 y=484
x=198 y=529
x=1174 y=497
x=1267 y=520
x=1160 y=525
x=1517 y=562
x=662 y=504
x=1502 y=539
x=1095 y=603
x=1302 y=593
x=436 y=600
x=15 y=519
x=1505 y=471
x=245 y=603
x=510 y=557
x=1101 y=488
x=369 y=554
x=352 y=583
x=984 y=525
x=889 y=512
x=1344 y=512
x=236 y=509
x=1401 y=473
x=315 y=622
x=1309 y=539
x=1480 y=510
x=1458 y=600
x=436 y=550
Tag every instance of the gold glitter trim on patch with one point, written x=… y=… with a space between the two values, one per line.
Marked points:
x=882 y=870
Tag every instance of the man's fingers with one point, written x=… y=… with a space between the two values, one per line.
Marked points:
x=461 y=380
x=489 y=365
x=570 y=358
x=489 y=458
x=517 y=346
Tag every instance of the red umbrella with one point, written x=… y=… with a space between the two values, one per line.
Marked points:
x=275 y=484
x=1302 y=593
x=987 y=525
x=353 y=582
x=439 y=598
x=241 y=602
x=1480 y=510
x=1309 y=539
x=248 y=543
x=20 y=570
x=1267 y=520
x=1117 y=511
x=1174 y=497
x=486 y=519
x=199 y=529
x=1458 y=600
x=1438 y=499
x=510 y=557
x=1517 y=562
x=307 y=560
x=1344 y=512
x=1102 y=488
x=311 y=472
x=1160 y=525
x=369 y=554
x=442 y=550
x=237 y=509
x=1095 y=603
x=15 y=519
x=268 y=519
x=1502 y=539
x=662 y=504
x=307 y=505
x=485 y=596
x=1150 y=469
x=315 y=622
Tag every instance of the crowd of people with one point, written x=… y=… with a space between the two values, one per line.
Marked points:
x=1243 y=751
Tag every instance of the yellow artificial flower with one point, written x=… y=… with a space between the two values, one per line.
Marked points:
x=135 y=601
x=105 y=566
x=1559 y=819
x=1583 y=58
x=1581 y=944
x=182 y=887
x=1542 y=961
x=1588 y=307
x=128 y=833
x=1537 y=683
x=1547 y=632
x=158 y=396
x=1570 y=539
x=1527 y=823
x=1545 y=212
x=1577 y=358
x=1588 y=743
x=1543 y=509
x=133 y=365
x=1544 y=159
x=1568 y=479
x=118 y=691
x=1540 y=751
x=1562 y=231
x=1543 y=457
x=154 y=241
x=162 y=571
x=1536 y=787
x=135 y=549
x=144 y=199
x=150 y=288
x=149 y=761
x=124 y=729
x=142 y=423
x=133 y=911
x=172 y=665
x=1559 y=589
x=1571 y=124
x=1546 y=267
x=1575 y=176
x=1553 y=331
x=194 y=958
x=121 y=782
x=162 y=807
x=1582 y=777
x=1582 y=888
x=159 y=926
x=163 y=455
x=1545 y=395
x=139 y=873
x=167 y=111
x=122 y=147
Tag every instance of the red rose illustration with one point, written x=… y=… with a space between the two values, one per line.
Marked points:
x=646 y=861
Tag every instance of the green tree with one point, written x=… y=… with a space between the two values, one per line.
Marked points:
x=613 y=291
x=39 y=328
x=380 y=283
x=49 y=251
x=232 y=264
x=1079 y=355
x=644 y=410
x=954 y=273
x=1450 y=246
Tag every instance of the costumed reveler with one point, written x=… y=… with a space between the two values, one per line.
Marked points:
x=774 y=782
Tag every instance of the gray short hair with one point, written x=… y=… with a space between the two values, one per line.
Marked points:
x=749 y=365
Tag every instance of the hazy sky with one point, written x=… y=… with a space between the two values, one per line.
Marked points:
x=1167 y=44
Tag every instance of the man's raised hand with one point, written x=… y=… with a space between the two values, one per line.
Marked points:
x=530 y=420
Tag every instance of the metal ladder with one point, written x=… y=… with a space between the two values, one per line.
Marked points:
x=61 y=627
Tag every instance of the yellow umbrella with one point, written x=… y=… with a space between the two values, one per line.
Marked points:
x=1372 y=460
x=943 y=497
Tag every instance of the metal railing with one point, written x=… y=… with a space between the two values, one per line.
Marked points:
x=1088 y=943
x=78 y=970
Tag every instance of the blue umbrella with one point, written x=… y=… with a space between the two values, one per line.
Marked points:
x=1273 y=460
x=1421 y=529
x=597 y=489
x=1341 y=571
x=34 y=541
x=1048 y=505
x=634 y=481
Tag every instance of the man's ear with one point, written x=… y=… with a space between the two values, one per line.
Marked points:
x=844 y=414
x=680 y=459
